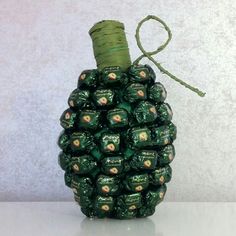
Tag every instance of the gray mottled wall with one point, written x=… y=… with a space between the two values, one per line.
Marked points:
x=43 y=47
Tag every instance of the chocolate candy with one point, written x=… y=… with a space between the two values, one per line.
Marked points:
x=164 y=113
x=88 y=79
x=117 y=118
x=139 y=73
x=83 y=200
x=145 y=112
x=88 y=211
x=161 y=175
x=164 y=135
x=81 y=186
x=140 y=137
x=155 y=196
x=152 y=74
x=63 y=140
x=81 y=141
x=107 y=186
x=144 y=160
x=157 y=93
x=68 y=179
x=112 y=165
x=89 y=119
x=67 y=119
x=135 y=92
x=129 y=202
x=78 y=98
x=110 y=143
x=123 y=213
x=173 y=131
x=103 y=205
x=82 y=164
x=166 y=155
x=112 y=75
x=103 y=97
x=145 y=211
x=64 y=160
x=136 y=183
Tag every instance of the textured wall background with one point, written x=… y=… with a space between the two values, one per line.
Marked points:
x=44 y=45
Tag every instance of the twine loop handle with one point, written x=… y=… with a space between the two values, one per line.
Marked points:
x=160 y=48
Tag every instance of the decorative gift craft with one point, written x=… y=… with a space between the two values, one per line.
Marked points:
x=117 y=139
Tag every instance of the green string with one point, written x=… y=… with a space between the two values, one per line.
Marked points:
x=149 y=54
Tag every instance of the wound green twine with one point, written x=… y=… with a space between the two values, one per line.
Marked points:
x=110 y=45
x=149 y=54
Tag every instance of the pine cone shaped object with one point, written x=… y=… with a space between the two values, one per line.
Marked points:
x=118 y=135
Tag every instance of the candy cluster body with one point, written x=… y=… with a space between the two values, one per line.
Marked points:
x=117 y=142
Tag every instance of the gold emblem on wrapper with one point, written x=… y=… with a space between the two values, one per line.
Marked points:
x=161 y=179
x=147 y=163
x=143 y=136
x=82 y=77
x=113 y=170
x=103 y=101
x=76 y=143
x=87 y=118
x=75 y=167
x=116 y=118
x=139 y=188
x=67 y=115
x=105 y=189
x=112 y=76
x=142 y=74
x=105 y=207
x=133 y=207
x=111 y=147
x=140 y=93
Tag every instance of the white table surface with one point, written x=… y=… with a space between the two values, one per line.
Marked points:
x=64 y=218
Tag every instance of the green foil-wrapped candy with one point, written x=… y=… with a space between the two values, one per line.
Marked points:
x=81 y=141
x=107 y=185
x=78 y=98
x=144 y=160
x=117 y=118
x=136 y=182
x=164 y=135
x=166 y=155
x=117 y=141
x=64 y=160
x=112 y=165
x=89 y=119
x=139 y=73
x=82 y=185
x=135 y=92
x=104 y=205
x=110 y=143
x=164 y=113
x=157 y=93
x=83 y=200
x=140 y=137
x=67 y=119
x=63 y=140
x=103 y=97
x=145 y=112
x=82 y=164
x=161 y=175
x=88 y=79
x=112 y=75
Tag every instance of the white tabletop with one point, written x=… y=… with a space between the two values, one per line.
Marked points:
x=64 y=218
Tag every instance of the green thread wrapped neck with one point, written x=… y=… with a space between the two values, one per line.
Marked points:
x=110 y=45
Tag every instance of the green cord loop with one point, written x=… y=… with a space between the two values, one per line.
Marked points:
x=149 y=54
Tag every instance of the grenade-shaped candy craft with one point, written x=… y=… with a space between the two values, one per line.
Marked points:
x=117 y=138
